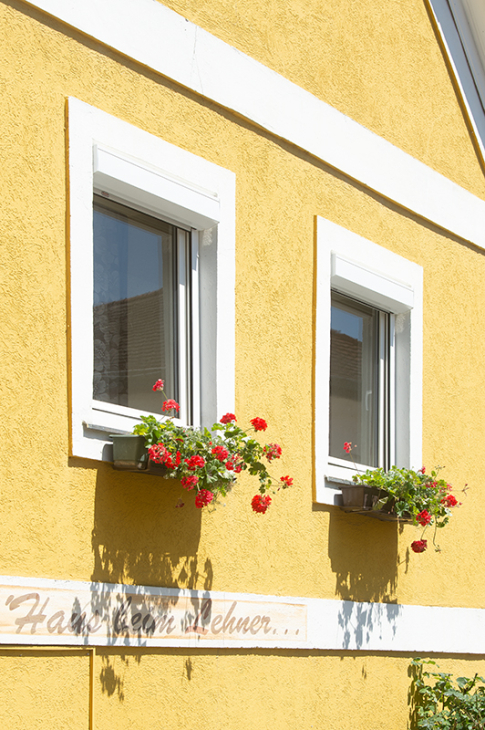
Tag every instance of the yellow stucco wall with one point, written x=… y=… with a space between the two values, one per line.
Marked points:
x=180 y=689
x=75 y=519
x=44 y=688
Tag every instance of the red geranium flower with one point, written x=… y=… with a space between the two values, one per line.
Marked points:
x=259 y=424
x=194 y=462
x=238 y=468
x=169 y=463
x=287 y=481
x=347 y=447
x=228 y=418
x=189 y=482
x=168 y=405
x=203 y=498
x=229 y=465
x=272 y=451
x=449 y=501
x=158 y=453
x=158 y=385
x=424 y=518
x=220 y=452
x=419 y=546
x=260 y=504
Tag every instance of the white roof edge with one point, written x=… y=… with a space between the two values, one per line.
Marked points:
x=466 y=64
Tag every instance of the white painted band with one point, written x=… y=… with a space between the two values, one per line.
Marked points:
x=37 y=611
x=156 y=37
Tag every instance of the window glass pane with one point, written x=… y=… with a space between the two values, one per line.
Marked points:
x=354 y=362
x=134 y=307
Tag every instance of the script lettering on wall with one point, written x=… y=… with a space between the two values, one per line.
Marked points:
x=63 y=612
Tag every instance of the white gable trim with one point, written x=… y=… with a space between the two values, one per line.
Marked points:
x=153 y=35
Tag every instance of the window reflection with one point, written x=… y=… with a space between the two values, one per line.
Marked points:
x=354 y=364
x=134 y=306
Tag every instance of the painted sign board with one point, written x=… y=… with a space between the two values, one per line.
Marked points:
x=66 y=612
x=44 y=612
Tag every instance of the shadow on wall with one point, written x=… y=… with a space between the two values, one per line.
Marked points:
x=364 y=557
x=415 y=700
x=142 y=536
x=360 y=623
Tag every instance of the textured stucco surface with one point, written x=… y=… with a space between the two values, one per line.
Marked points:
x=182 y=689
x=44 y=689
x=65 y=518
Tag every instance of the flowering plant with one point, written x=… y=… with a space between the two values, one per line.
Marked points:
x=446 y=703
x=424 y=498
x=208 y=461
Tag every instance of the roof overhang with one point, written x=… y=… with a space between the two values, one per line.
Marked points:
x=469 y=16
x=461 y=25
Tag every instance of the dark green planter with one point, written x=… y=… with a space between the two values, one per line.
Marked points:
x=129 y=452
x=362 y=498
x=359 y=497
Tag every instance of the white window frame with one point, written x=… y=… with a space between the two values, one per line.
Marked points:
x=376 y=276
x=108 y=155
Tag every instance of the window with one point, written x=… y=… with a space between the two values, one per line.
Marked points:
x=139 y=315
x=152 y=280
x=360 y=353
x=368 y=365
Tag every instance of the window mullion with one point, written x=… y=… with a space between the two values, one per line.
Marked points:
x=182 y=323
x=194 y=326
x=391 y=381
x=382 y=391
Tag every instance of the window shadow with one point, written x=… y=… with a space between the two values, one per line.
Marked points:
x=143 y=536
x=363 y=555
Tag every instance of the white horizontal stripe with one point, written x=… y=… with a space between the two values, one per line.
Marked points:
x=155 y=36
x=327 y=625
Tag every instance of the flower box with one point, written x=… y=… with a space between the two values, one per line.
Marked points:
x=400 y=495
x=205 y=461
x=362 y=499
x=131 y=454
